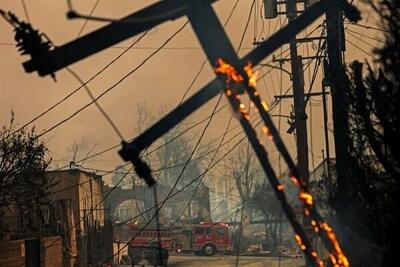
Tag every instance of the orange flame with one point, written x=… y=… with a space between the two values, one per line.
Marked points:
x=306 y=212
x=339 y=259
x=265 y=106
x=313 y=253
x=228 y=70
x=265 y=129
x=298 y=239
x=280 y=187
x=251 y=74
x=306 y=197
x=267 y=132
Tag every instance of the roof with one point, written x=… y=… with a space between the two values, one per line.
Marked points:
x=75 y=171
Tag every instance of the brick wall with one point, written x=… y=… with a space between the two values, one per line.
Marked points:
x=13 y=252
x=52 y=255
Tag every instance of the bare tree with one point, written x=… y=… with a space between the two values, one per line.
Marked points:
x=78 y=154
x=242 y=166
x=265 y=202
x=173 y=151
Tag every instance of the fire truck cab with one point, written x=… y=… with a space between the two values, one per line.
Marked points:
x=207 y=238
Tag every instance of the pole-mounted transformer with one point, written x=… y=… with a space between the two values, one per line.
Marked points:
x=270 y=9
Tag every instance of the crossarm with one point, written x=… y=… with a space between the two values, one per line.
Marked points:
x=107 y=36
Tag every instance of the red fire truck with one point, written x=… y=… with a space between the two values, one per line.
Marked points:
x=202 y=239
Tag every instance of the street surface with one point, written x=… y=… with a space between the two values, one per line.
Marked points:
x=227 y=261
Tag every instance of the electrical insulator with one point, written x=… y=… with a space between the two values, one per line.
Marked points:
x=29 y=41
x=270 y=9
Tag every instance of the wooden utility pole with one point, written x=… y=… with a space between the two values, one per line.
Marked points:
x=325 y=112
x=335 y=36
x=298 y=97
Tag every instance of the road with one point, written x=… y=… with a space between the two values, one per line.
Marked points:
x=227 y=261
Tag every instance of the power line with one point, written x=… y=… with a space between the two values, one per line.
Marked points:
x=247 y=24
x=87 y=20
x=115 y=84
x=368 y=27
x=81 y=86
x=205 y=61
x=99 y=107
x=360 y=39
x=72 y=14
x=316 y=68
x=366 y=36
x=25 y=10
x=145 y=47
x=359 y=48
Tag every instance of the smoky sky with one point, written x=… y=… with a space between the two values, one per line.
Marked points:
x=161 y=82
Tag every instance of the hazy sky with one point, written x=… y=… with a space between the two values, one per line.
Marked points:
x=160 y=82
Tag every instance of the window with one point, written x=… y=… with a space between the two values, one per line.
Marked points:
x=208 y=231
x=221 y=231
x=198 y=231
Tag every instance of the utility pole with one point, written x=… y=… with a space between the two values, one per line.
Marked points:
x=298 y=97
x=297 y=77
x=337 y=80
x=325 y=111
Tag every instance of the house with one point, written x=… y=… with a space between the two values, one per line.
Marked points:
x=70 y=226
x=84 y=232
